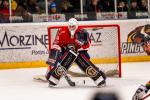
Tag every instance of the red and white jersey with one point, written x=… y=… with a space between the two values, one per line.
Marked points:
x=63 y=38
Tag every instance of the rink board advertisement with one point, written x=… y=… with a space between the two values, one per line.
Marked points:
x=22 y=43
x=19 y=43
x=131 y=48
x=128 y=47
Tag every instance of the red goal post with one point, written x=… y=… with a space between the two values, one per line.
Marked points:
x=105 y=46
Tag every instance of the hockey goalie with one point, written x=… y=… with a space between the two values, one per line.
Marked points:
x=70 y=46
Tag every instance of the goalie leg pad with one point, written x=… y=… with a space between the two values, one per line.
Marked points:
x=90 y=69
x=65 y=62
x=53 y=56
x=48 y=72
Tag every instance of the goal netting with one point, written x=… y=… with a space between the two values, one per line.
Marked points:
x=104 y=50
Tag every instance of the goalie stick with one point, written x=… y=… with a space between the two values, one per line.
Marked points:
x=70 y=82
x=144 y=98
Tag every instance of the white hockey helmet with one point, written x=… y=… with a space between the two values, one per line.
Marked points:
x=72 y=25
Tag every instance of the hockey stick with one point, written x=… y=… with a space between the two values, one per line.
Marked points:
x=145 y=97
x=70 y=82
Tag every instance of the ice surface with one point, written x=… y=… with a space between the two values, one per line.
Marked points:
x=18 y=84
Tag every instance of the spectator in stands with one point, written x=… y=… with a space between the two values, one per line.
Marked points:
x=122 y=7
x=14 y=5
x=40 y=3
x=144 y=6
x=76 y=5
x=52 y=7
x=32 y=7
x=133 y=9
x=97 y=5
x=4 y=11
x=92 y=8
x=66 y=6
x=21 y=10
x=108 y=6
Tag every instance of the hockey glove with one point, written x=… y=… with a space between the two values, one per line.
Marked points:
x=140 y=92
x=82 y=37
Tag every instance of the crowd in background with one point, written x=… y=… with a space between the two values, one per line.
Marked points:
x=26 y=8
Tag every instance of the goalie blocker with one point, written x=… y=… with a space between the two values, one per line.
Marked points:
x=84 y=64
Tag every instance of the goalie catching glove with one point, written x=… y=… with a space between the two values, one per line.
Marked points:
x=82 y=37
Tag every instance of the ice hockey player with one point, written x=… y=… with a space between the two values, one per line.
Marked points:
x=141 y=91
x=75 y=40
x=141 y=35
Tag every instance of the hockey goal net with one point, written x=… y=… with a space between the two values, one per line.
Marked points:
x=104 y=50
